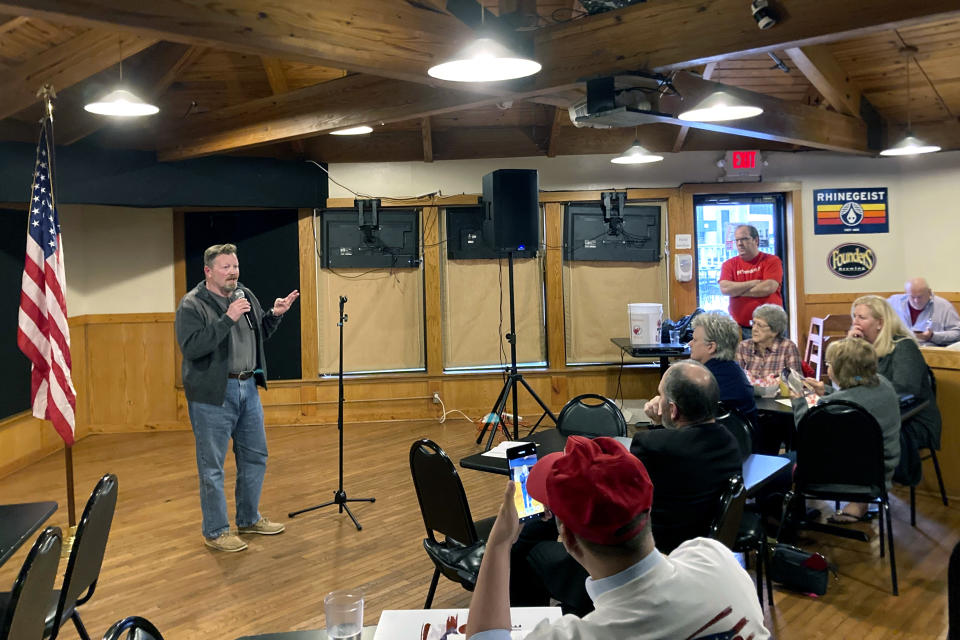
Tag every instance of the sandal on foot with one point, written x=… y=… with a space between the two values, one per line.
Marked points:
x=842 y=517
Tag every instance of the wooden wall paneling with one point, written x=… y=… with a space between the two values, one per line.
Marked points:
x=179 y=281
x=681 y=220
x=309 y=329
x=24 y=440
x=946 y=368
x=432 y=290
x=794 y=214
x=78 y=373
x=553 y=283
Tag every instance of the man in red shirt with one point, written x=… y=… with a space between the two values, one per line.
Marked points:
x=750 y=279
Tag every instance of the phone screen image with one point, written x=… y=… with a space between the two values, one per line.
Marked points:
x=521 y=462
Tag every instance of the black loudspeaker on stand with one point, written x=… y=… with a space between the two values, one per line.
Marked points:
x=339 y=496
x=510 y=384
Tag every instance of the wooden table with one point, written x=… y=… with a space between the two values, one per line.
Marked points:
x=18 y=522
x=662 y=351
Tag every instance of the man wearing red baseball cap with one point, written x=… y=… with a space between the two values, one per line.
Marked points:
x=601 y=496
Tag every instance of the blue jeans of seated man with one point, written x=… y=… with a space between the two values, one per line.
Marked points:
x=240 y=417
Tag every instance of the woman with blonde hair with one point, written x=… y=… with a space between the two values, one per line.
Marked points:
x=852 y=367
x=900 y=361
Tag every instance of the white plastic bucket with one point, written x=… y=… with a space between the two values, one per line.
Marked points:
x=644 y=319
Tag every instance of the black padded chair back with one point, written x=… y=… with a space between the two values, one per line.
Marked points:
x=29 y=602
x=86 y=556
x=443 y=502
x=599 y=417
x=726 y=526
x=741 y=429
x=840 y=443
x=132 y=628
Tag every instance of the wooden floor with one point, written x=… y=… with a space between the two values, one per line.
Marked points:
x=156 y=565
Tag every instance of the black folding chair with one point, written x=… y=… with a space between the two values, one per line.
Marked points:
x=740 y=428
x=23 y=611
x=132 y=628
x=840 y=457
x=445 y=510
x=86 y=558
x=599 y=417
x=953 y=594
x=742 y=531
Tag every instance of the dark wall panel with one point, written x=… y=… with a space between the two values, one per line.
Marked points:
x=15 y=391
x=268 y=251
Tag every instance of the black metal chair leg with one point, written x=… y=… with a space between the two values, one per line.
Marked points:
x=936 y=466
x=766 y=569
x=893 y=560
x=759 y=566
x=880 y=516
x=913 y=506
x=433 y=588
x=78 y=623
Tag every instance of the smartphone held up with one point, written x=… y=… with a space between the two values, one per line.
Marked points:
x=521 y=460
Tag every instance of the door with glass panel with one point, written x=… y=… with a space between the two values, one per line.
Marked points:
x=717 y=218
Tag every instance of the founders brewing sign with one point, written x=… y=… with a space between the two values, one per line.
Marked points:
x=852 y=260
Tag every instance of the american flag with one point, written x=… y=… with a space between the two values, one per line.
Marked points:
x=42 y=332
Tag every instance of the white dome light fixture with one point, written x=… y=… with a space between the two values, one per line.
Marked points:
x=636 y=154
x=910 y=145
x=485 y=60
x=121 y=103
x=719 y=107
x=352 y=131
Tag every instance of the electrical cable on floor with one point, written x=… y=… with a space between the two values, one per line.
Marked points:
x=443 y=409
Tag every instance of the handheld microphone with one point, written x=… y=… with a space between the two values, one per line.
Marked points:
x=238 y=295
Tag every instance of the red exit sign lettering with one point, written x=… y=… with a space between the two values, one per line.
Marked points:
x=744 y=159
x=744 y=164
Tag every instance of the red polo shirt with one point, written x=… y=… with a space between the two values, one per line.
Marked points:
x=764 y=267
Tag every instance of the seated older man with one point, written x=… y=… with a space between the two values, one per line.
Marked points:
x=933 y=320
x=767 y=351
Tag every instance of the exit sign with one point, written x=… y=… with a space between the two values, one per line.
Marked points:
x=743 y=164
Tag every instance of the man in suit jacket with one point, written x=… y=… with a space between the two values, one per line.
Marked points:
x=691 y=460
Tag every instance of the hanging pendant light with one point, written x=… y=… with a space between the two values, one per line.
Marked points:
x=636 y=154
x=720 y=106
x=485 y=60
x=352 y=131
x=120 y=102
x=910 y=145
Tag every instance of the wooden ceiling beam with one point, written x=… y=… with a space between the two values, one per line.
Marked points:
x=781 y=121
x=667 y=35
x=558 y=116
x=8 y=24
x=426 y=133
x=279 y=85
x=345 y=102
x=400 y=40
x=63 y=66
x=825 y=73
x=384 y=37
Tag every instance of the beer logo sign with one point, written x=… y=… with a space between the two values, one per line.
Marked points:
x=851 y=260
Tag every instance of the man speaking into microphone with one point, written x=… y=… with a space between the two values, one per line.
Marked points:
x=223 y=362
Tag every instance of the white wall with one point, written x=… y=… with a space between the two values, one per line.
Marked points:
x=118 y=260
x=922 y=194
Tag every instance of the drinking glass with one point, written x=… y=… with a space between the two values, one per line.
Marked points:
x=674 y=336
x=344 y=611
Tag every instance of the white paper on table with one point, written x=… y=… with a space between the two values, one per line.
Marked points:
x=500 y=451
x=785 y=402
x=448 y=624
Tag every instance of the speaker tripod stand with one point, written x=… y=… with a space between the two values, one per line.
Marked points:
x=494 y=418
x=339 y=496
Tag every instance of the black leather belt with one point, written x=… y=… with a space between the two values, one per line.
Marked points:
x=240 y=376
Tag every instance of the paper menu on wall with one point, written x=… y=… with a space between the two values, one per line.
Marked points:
x=451 y=624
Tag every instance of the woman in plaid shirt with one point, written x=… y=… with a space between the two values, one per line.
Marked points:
x=768 y=352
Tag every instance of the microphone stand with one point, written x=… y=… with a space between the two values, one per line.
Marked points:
x=339 y=496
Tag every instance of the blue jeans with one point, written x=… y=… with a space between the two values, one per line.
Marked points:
x=239 y=417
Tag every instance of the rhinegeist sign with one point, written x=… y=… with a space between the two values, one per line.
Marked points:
x=851 y=260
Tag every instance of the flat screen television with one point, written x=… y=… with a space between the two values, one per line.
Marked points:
x=588 y=236
x=465 y=240
x=395 y=245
